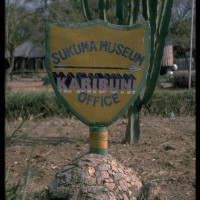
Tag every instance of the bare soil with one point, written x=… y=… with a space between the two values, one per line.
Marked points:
x=165 y=155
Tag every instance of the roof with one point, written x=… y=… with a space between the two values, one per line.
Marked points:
x=29 y=50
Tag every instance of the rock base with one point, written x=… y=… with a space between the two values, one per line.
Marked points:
x=96 y=177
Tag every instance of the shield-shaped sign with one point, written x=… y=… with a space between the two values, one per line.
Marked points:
x=97 y=69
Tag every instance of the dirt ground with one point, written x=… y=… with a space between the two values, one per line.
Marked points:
x=165 y=155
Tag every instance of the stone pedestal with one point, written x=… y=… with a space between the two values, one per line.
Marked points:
x=93 y=176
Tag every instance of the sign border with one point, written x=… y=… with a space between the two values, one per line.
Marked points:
x=146 y=25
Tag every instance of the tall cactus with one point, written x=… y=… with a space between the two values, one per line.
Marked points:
x=86 y=11
x=127 y=12
x=136 y=8
x=159 y=27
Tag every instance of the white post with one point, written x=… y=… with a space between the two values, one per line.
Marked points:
x=191 y=34
x=46 y=12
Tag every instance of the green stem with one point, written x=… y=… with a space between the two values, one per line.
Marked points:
x=120 y=11
x=136 y=7
x=133 y=127
x=144 y=9
x=86 y=11
x=156 y=55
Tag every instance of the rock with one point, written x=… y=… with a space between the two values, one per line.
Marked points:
x=147 y=191
x=91 y=177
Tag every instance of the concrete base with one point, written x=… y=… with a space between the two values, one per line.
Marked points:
x=93 y=176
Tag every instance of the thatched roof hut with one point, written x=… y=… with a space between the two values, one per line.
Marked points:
x=29 y=50
x=29 y=55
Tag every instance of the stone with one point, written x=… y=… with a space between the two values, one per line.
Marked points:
x=97 y=177
x=112 y=196
x=125 y=197
x=110 y=180
x=123 y=185
x=94 y=162
x=110 y=171
x=94 y=189
x=91 y=171
x=110 y=186
x=121 y=170
x=104 y=166
x=99 y=180
x=102 y=197
x=129 y=193
x=128 y=179
x=104 y=174
x=114 y=169
x=90 y=181
x=118 y=176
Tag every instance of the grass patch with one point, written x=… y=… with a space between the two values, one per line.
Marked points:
x=27 y=104
x=180 y=102
x=18 y=190
x=181 y=79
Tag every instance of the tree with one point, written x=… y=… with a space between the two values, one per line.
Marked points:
x=158 y=13
x=179 y=28
x=25 y=19
x=120 y=12
x=18 y=26
x=64 y=10
x=180 y=23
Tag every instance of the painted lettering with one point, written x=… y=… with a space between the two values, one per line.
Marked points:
x=55 y=58
x=103 y=46
x=91 y=83
x=102 y=101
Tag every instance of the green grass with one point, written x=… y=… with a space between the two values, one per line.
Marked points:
x=181 y=102
x=18 y=190
x=27 y=104
x=44 y=104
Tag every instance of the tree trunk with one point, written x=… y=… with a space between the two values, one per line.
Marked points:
x=23 y=67
x=133 y=126
x=9 y=74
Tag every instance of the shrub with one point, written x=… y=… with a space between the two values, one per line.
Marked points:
x=26 y=104
x=181 y=102
x=181 y=79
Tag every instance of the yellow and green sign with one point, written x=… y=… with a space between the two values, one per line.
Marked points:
x=97 y=69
